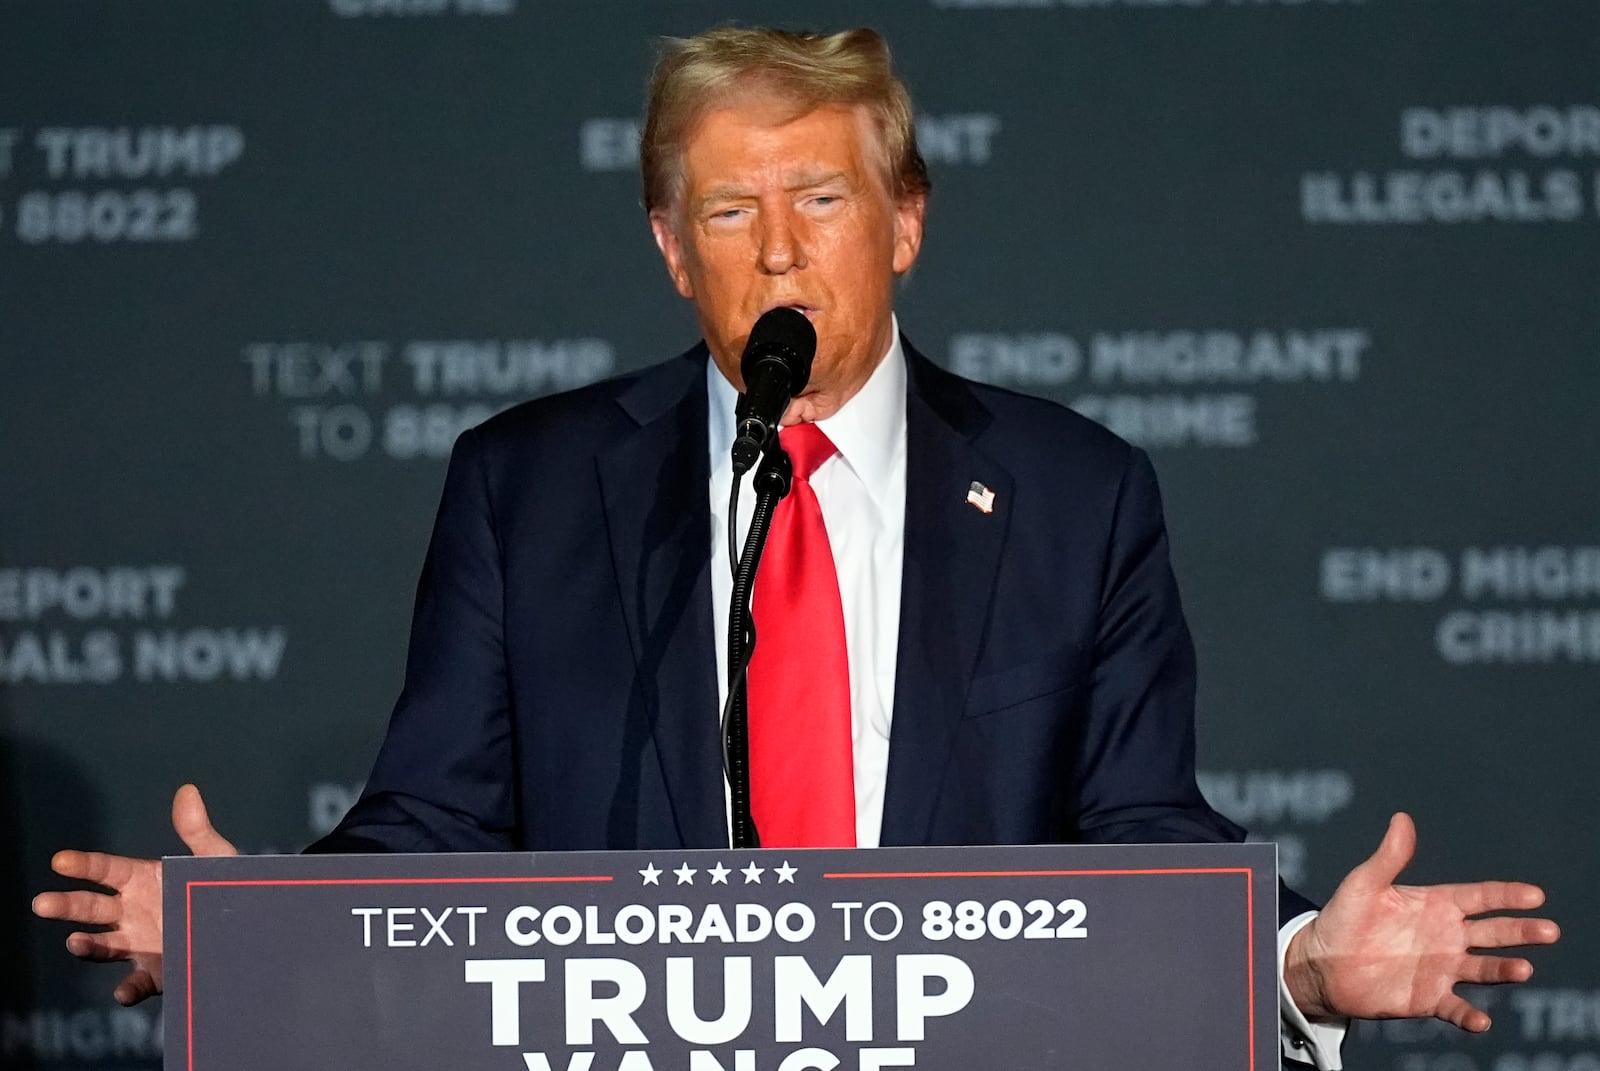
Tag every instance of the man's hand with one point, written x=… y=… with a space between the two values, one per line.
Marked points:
x=132 y=909
x=1386 y=951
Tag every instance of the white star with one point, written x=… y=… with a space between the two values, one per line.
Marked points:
x=719 y=874
x=784 y=872
x=685 y=874
x=650 y=874
x=752 y=873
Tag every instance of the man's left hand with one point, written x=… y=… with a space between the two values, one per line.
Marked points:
x=1386 y=951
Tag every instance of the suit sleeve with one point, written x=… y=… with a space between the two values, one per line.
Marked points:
x=1136 y=755
x=445 y=776
x=1135 y=759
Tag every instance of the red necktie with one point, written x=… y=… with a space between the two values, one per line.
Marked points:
x=802 y=789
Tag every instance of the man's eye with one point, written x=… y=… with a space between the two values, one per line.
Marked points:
x=728 y=213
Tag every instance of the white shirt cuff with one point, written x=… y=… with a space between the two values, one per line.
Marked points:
x=1303 y=1040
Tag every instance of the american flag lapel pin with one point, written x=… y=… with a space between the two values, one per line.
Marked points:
x=980 y=497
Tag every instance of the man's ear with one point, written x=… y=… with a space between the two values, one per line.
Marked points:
x=908 y=217
x=671 y=251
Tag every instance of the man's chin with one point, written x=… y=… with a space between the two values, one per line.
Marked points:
x=808 y=409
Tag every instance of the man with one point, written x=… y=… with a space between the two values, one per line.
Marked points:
x=1017 y=665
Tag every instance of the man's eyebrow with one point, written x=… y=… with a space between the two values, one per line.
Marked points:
x=727 y=192
x=805 y=180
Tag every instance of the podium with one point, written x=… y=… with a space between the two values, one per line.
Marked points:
x=1103 y=957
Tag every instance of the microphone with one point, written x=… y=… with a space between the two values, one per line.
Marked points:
x=776 y=365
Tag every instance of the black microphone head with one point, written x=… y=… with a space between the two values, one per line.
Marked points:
x=782 y=334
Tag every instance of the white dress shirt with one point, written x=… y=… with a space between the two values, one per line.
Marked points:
x=862 y=493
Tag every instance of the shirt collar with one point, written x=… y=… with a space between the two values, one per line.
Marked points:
x=869 y=429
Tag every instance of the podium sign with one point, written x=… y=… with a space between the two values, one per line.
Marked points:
x=1096 y=956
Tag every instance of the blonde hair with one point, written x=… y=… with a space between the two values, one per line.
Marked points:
x=694 y=74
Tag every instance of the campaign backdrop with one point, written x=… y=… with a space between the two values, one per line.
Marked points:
x=1335 y=264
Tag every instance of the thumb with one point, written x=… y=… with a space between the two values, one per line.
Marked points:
x=189 y=818
x=1393 y=855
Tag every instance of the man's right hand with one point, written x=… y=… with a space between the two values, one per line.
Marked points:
x=132 y=909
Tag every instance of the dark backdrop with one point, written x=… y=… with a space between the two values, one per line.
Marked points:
x=1337 y=264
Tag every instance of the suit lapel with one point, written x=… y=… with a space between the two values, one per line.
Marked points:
x=952 y=551
x=654 y=486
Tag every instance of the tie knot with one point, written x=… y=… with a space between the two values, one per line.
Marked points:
x=808 y=446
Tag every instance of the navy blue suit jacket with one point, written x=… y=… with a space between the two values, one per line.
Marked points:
x=561 y=694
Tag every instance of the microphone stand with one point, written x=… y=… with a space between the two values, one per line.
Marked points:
x=771 y=483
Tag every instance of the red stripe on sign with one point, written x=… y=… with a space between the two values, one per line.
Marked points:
x=1250 y=969
x=1033 y=873
x=1250 y=965
x=409 y=881
x=188 y=949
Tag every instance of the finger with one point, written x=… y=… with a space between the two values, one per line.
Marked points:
x=48 y=905
x=1393 y=855
x=137 y=986
x=102 y=869
x=193 y=824
x=1503 y=932
x=1477 y=897
x=1495 y=970
x=97 y=947
x=1453 y=1009
x=82 y=906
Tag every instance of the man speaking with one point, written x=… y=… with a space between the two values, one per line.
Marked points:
x=969 y=631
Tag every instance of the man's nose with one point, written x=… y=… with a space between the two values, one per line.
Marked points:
x=781 y=247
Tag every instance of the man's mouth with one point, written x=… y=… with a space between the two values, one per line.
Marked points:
x=809 y=311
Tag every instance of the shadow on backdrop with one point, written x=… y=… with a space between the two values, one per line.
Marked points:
x=54 y=1011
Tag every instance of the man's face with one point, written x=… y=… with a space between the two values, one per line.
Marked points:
x=778 y=210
